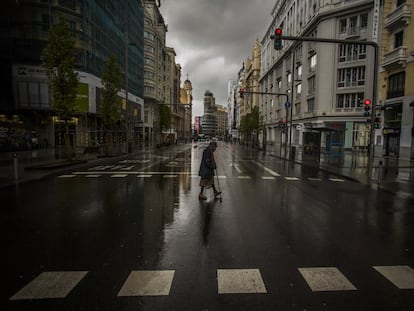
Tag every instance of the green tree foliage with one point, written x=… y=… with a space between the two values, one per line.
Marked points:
x=59 y=61
x=250 y=121
x=165 y=117
x=111 y=80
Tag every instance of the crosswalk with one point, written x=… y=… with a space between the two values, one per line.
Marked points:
x=59 y=284
x=172 y=174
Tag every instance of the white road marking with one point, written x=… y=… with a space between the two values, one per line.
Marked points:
x=56 y=284
x=291 y=178
x=336 y=179
x=128 y=168
x=169 y=176
x=238 y=281
x=66 y=176
x=93 y=176
x=119 y=175
x=271 y=172
x=148 y=283
x=400 y=276
x=144 y=176
x=243 y=177
x=326 y=279
x=314 y=179
x=268 y=177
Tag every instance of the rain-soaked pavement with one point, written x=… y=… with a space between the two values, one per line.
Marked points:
x=132 y=235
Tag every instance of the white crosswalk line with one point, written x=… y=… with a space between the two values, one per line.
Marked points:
x=144 y=176
x=66 y=176
x=128 y=168
x=93 y=176
x=57 y=284
x=243 y=177
x=291 y=178
x=400 y=276
x=268 y=177
x=119 y=175
x=336 y=179
x=240 y=281
x=271 y=172
x=148 y=283
x=326 y=279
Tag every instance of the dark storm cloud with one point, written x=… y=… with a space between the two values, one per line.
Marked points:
x=212 y=39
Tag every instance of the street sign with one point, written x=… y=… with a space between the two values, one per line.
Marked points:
x=287 y=104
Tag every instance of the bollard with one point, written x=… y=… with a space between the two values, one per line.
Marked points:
x=379 y=173
x=16 y=167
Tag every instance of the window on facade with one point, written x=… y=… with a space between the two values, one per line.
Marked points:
x=299 y=71
x=354 y=76
x=311 y=104
x=289 y=77
x=398 y=39
x=349 y=100
x=148 y=35
x=311 y=85
x=312 y=62
x=342 y=25
x=279 y=83
x=363 y=20
x=297 y=109
x=353 y=20
x=396 y=85
x=298 y=90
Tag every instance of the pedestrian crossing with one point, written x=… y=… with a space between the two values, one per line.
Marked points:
x=172 y=174
x=59 y=284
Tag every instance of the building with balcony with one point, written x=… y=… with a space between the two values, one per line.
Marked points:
x=396 y=92
x=323 y=85
x=99 y=29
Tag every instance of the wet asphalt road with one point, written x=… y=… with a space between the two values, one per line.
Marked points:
x=276 y=219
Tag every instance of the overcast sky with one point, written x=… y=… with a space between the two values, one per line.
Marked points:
x=212 y=39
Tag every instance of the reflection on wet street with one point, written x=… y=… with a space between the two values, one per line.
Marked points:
x=117 y=220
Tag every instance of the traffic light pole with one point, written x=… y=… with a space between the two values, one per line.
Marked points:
x=375 y=87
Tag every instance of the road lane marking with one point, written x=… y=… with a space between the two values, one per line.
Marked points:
x=93 y=176
x=336 y=179
x=400 y=276
x=243 y=177
x=271 y=172
x=240 y=281
x=291 y=178
x=268 y=177
x=326 y=279
x=169 y=176
x=148 y=283
x=57 y=284
x=144 y=176
x=314 y=179
x=128 y=168
x=119 y=175
x=66 y=176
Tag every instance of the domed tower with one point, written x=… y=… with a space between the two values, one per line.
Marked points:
x=188 y=88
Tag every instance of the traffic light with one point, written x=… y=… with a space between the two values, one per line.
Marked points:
x=282 y=123
x=278 y=39
x=367 y=107
x=241 y=92
x=377 y=123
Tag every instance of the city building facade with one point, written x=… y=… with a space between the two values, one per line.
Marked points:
x=209 y=121
x=99 y=29
x=396 y=92
x=221 y=117
x=324 y=84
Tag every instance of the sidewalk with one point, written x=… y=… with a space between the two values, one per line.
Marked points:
x=389 y=174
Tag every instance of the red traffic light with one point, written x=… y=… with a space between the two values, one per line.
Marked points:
x=278 y=31
x=367 y=102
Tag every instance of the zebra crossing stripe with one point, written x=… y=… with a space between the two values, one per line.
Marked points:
x=336 y=179
x=326 y=279
x=57 y=284
x=66 y=176
x=119 y=175
x=400 y=276
x=93 y=176
x=148 y=283
x=240 y=281
x=291 y=178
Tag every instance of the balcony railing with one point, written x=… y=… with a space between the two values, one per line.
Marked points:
x=396 y=57
x=401 y=15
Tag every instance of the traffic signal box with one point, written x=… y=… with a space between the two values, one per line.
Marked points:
x=367 y=108
x=278 y=39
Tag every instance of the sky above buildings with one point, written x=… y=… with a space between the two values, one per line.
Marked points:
x=212 y=39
